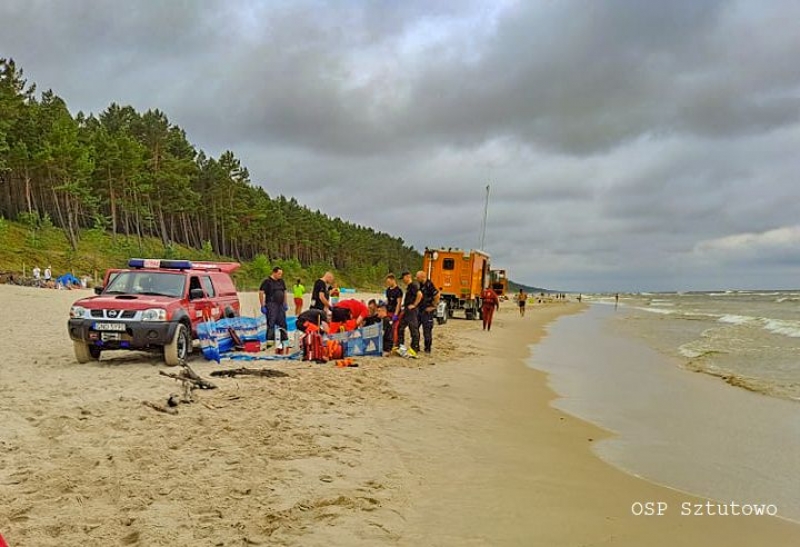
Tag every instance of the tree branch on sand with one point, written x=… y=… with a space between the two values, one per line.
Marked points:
x=190 y=381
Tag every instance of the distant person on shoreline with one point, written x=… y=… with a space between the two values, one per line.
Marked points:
x=37 y=276
x=48 y=277
x=489 y=303
x=616 y=301
x=522 y=298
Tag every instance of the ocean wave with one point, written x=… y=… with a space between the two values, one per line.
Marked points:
x=737 y=319
x=689 y=352
x=783 y=326
x=655 y=310
x=783 y=299
x=765 y=386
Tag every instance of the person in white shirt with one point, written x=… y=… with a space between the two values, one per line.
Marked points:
x=37 y=276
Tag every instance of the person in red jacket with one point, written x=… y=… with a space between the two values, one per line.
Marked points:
x=350 y=310
x=489 y=303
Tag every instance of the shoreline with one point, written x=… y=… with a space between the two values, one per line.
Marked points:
x=460 y=448
x=689 y=432
x=551 y=488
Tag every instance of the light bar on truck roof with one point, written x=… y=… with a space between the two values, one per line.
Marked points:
x=158 y=263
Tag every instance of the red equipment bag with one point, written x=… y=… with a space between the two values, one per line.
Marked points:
x=313 y=347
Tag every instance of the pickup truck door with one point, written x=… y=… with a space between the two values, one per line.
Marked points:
x=201 y=309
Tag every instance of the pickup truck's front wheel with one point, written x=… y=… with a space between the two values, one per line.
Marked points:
x=84 y=353
x=176 y=352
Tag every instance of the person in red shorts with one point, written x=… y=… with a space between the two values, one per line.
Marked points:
x=489 y=303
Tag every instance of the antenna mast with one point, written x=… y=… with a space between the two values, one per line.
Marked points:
x=485 y=216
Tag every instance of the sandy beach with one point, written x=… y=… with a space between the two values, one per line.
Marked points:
x=459 y=448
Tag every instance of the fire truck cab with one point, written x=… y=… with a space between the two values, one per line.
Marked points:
x=460 y=276
x=499 y=282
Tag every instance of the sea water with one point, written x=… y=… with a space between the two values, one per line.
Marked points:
x=751 y=339
x=688 y=431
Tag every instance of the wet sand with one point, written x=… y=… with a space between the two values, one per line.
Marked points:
x=461 y=448
x=674 y=426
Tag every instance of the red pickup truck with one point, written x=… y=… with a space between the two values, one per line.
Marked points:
x=153 y=304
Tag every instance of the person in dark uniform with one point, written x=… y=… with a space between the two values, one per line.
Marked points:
x=274 y=303
x=312 y=317
x=410 y=313
x=427 y=308
x=394 y=303
x=320 y=294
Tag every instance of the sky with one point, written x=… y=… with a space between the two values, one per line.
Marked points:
x=629 y=145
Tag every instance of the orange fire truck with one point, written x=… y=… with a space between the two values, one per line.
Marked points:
x=460 y=277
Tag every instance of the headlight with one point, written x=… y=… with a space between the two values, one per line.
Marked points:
x=154 y=314
x=77 y=312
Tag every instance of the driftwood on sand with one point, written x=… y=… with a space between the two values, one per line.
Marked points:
x=189 y=376
x=263 y=372
x=189 y=380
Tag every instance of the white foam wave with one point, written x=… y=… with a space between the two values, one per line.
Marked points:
x=656 y=310
x=783 y=326
x=689 y=352
x=736 y=319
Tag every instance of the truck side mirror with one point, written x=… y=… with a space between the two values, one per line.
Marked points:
x=98 y=290
x=194 y=294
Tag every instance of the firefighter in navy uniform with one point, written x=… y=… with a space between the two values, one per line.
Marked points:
x=409 y=316
x=427 y=308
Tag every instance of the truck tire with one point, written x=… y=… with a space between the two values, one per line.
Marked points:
x=176 y=352
x=470 y=314
x=84 y=353
x=443 y=319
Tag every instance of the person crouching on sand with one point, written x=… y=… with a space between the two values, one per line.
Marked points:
x=489 y=303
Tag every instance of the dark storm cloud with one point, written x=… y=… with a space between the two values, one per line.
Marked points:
x=624 y=141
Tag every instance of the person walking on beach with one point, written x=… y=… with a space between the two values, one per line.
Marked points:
x=410 y=313
x=427 y=308
x=37 y=276
x=48 y=276
x=274 y=303
x=522 y=299
x=489 y=303
x=297 y=292
x=616 y=301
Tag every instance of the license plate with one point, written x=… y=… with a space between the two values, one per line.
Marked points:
x=119 y=327
x=110 y=336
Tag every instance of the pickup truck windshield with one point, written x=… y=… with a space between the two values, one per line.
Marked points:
x=148 y=283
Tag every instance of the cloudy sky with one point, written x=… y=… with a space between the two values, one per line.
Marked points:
x=630 y=145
